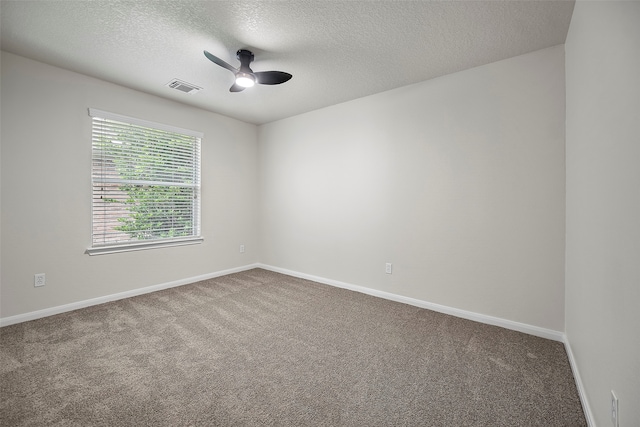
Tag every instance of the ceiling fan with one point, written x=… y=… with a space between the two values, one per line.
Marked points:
x=245 y=77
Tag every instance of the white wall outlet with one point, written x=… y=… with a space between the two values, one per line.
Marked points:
x=388 y=268
x=614 y=410
x=39 y=280
x=241 y=249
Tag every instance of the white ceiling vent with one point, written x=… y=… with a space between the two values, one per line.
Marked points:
x=183 y=86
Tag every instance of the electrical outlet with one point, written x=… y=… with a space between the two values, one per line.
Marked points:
x=241 y=249
x=39 y=280
x=388 y=268
x=614 y=410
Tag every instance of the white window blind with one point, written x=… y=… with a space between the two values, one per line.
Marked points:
x=145 y=184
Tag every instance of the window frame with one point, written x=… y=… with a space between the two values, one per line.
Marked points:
x=136 y=245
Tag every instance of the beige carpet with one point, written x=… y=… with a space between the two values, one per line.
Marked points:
x=261 y=348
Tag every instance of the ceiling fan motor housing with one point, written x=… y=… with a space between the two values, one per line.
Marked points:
x=245 y=57
x=243 y=52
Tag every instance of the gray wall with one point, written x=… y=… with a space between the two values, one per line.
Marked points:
x=46 y=190
x=457 y=181
x=603 y=204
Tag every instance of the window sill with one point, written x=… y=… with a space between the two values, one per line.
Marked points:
x=112 y=249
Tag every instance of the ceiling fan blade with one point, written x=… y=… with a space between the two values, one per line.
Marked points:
x=272 y=77
x=220 y=62
x=236 y=88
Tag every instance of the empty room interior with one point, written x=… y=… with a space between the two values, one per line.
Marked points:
x=395 y=213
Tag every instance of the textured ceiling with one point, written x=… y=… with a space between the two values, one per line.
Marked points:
x=336 y=50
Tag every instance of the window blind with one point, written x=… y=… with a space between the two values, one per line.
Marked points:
x=145 y=182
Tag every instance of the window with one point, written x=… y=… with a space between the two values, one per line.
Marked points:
x=145 y=184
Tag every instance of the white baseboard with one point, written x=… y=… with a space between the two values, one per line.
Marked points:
x=11 y=320
x=469 y=315
x=579 y=385
x=482 y=318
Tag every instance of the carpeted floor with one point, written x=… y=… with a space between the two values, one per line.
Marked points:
x=261 y=348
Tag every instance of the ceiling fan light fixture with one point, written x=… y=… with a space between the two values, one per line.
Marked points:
x=245 y=79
